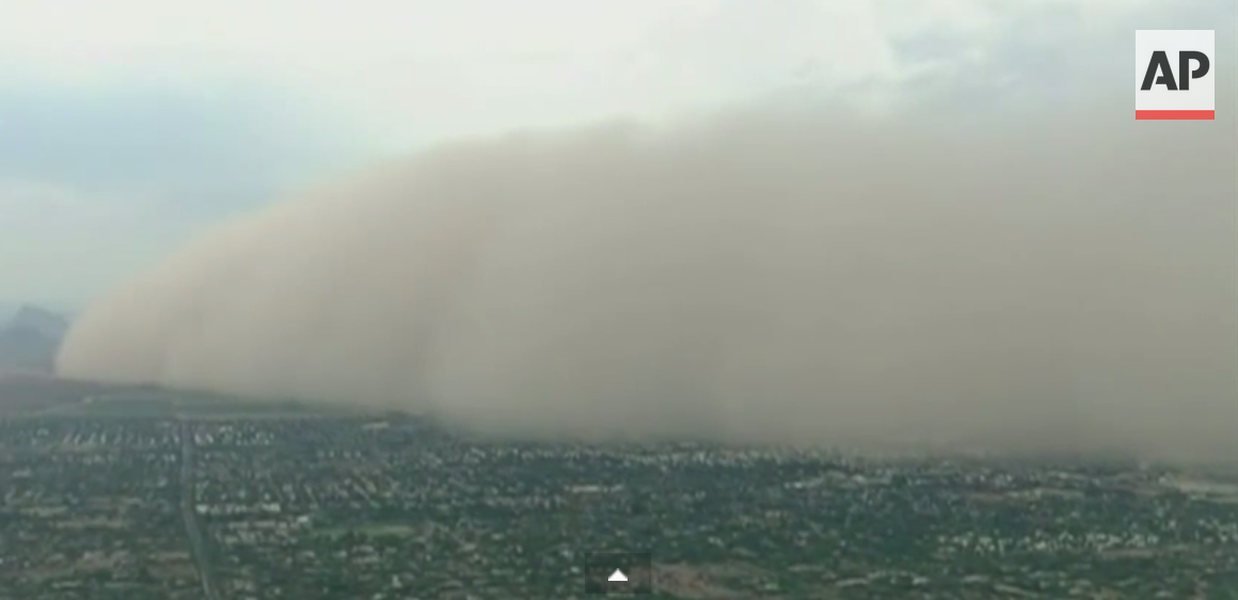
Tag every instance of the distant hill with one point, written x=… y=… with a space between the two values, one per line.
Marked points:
x=29 y=340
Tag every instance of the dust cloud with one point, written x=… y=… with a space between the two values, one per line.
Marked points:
x=1066 y=284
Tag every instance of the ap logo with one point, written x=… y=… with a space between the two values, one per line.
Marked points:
x=1175 y=74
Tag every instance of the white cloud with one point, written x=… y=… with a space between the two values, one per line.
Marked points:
x=419 y=69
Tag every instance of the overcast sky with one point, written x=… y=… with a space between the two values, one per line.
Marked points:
x=126 y=125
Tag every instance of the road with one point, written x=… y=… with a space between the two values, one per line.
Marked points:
x=192 y=528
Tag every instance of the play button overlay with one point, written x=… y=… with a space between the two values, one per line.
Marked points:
x=618 y=574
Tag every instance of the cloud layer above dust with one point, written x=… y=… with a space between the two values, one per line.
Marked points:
x=769 y=275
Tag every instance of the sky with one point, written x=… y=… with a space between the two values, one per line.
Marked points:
x=881 y=222
x=127 y=126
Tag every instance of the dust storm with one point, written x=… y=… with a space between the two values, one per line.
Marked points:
x=757 y=275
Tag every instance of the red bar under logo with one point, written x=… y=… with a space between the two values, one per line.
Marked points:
x=1175 y=115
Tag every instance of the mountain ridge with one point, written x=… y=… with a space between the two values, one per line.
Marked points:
x=29 y=340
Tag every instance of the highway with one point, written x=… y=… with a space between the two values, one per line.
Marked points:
x=192 y=528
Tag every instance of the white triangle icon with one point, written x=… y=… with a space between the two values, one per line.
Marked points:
x=617 y=576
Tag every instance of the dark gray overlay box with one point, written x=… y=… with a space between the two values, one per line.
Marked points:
x=600 y=569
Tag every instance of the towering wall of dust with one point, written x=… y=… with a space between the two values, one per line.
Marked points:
x=1064 y=284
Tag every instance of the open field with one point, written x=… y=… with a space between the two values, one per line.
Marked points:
x=27 y=394
x=33 y=396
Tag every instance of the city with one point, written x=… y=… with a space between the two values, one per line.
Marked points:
x=153 y=496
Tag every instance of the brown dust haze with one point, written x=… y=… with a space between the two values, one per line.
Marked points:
x=1066 y=284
